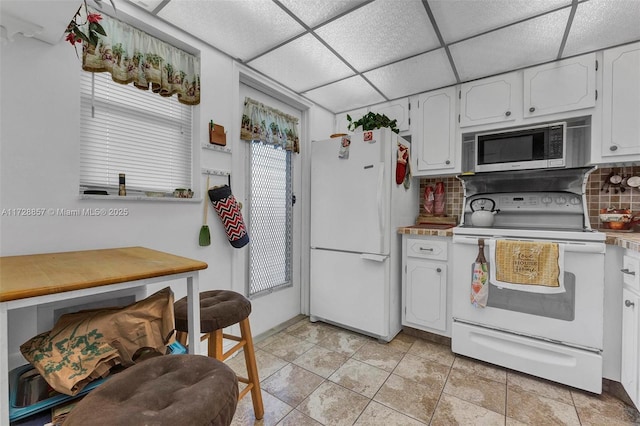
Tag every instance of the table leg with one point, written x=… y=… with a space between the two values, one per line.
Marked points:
x=193 y=313
x=4 y=365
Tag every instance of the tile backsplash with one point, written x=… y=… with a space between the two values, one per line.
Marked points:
x=598 y=197
x=453 y=193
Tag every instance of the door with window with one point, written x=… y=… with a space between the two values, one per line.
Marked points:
x=273 y=221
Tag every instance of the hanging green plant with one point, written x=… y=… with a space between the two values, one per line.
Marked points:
x=372 y=121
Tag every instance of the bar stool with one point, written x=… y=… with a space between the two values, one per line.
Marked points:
x=220 y=309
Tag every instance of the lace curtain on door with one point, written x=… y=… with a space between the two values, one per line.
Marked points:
x=269 y=126
x=133 y=56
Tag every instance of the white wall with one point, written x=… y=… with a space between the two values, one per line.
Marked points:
x=39 y=152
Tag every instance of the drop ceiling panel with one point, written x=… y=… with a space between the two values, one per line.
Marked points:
x=458 y=19
x=392 y=42
x=528 y=43
x=242 y=29
x=345 y=95
x=381 y=32
x=414 y=75
x=598 y=24
x=302 y=64
x=314 y=12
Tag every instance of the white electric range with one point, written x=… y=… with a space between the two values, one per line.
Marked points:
x=557 y=335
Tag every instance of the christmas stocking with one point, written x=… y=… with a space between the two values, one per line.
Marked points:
x=227 y=208
x=401 y=165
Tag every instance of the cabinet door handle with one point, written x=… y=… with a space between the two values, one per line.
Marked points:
x=629 y=303
x=508 y=113
x=627 y=271
x=426 y=249
x=613 y=148
x=447 y=162
x=440 y=270
x=532 y=109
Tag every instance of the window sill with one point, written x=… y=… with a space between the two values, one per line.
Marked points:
x=138 y=198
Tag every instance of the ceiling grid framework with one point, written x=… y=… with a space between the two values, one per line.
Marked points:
x=348 y=54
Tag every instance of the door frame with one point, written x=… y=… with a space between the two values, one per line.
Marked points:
x=300 y=261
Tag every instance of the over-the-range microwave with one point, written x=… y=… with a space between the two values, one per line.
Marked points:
x=536 y=147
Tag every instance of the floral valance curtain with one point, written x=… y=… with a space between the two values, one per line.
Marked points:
x=133 y=56
x=269 y=126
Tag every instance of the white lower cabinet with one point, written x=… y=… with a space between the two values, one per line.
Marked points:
x=630 y=363
x=425 y=298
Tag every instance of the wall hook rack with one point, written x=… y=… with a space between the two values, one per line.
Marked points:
x=215 y=172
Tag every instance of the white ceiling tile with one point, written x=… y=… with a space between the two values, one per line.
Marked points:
x=345 y=95
x=381 y=32
x=598 y=24
x=528 y=43
x=314 y=12
x=458 y=19
x=302 y=64
x=415 y=75
x=240 y=28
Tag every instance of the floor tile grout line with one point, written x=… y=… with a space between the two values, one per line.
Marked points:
x=404 y=353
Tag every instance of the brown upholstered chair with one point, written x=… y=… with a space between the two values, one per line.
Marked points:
x=220 y=309
x=165 y=390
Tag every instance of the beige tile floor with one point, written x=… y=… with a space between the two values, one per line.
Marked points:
x=318 y=374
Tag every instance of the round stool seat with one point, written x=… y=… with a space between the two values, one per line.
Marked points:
x=164 y=390
x=218 y=309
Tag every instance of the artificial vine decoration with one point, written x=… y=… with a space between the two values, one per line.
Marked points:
x=372 y=121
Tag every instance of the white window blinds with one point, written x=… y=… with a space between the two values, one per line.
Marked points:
x=145 y=136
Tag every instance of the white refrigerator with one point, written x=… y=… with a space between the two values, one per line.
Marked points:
x=356 y=208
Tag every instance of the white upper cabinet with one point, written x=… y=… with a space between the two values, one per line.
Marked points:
x=491 y=100
x=395 y=110
x=434 y=129
x=560 y=86
x=621 y=104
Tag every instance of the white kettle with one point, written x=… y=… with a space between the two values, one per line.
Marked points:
x=483 y=217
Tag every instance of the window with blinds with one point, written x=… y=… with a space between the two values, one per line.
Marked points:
x=127 y=130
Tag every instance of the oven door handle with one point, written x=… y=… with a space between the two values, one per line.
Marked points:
x=585 y=248
x=572 y=247
x=457 y=239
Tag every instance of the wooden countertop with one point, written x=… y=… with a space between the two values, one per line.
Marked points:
x=49 y=273
x=628 y=240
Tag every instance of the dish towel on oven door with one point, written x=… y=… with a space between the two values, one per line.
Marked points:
x=533 y=266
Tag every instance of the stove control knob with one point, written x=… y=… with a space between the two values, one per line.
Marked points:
x=561 y=200
x=546 y=200
x=575 y=201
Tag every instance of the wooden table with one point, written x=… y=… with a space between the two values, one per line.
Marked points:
x=32 y=280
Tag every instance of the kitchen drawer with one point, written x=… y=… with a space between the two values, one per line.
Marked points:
x=631 y=272
x=427 y=249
